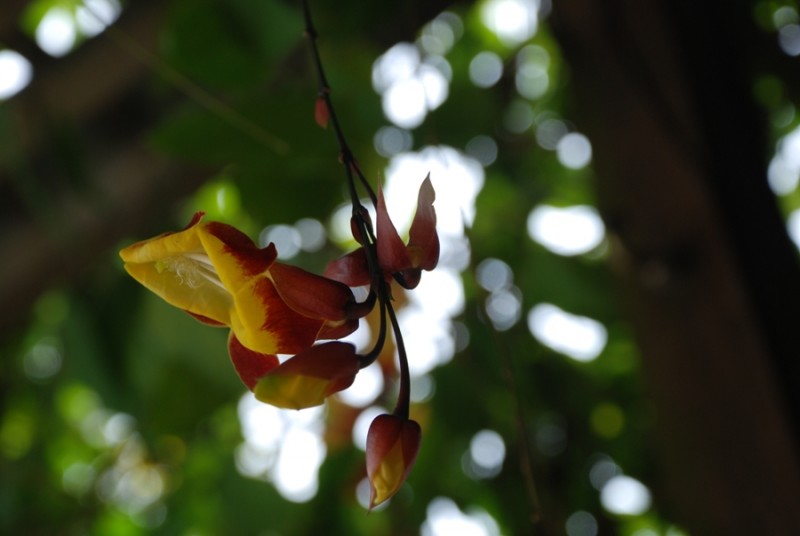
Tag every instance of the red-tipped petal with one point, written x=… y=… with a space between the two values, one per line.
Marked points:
x=250 y=365
x=392 y=253
x=351 y=269
x=309 y=377
x=311 y=295
x=250 y=259
x=195 y=219
x=423 y=243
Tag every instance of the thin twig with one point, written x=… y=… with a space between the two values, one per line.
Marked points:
x=346 y=154
x=199 y=95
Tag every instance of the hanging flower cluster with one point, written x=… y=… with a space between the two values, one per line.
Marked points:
x=218 y=275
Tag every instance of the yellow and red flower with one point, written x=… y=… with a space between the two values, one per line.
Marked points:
x=217 y=274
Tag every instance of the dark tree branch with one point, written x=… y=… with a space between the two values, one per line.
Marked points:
x=702 y=258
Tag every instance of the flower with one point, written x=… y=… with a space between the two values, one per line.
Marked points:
x=306 y=379
x=403 y=262
x=217 y=274
x=392 y=446
x=422 y=251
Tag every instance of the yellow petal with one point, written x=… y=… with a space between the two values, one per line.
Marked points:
x=291 y=391
x=389 y=477
x=264 y=323
x=175 y=267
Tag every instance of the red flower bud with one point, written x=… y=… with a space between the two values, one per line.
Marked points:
x=392 y=446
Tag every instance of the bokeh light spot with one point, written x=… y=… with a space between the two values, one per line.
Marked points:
x=298 y=464
x=789 y=39
x=566 y=231
x=549 y=132
x=312 y=234
x=504 y=307
x=494 y=274
x=603 y=470
x=56 y=32
x=793 y=227
x=487 y=452
x=578 y=337
x=286 y=238
x=624 y=495
x=365 y=389
x=581 y=523
x=404 y=103
x=485 y=69
x=16 y=73
x=783 y=172
x=362 y=424
x=574 y=150
x=281 y=446
x=518 y=116
x=95 y=15
x=43 y=361
x=512 y=21
x=444 y=518
x=483 y=149
x=391 y=140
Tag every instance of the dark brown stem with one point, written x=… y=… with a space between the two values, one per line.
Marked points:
x=404 y=396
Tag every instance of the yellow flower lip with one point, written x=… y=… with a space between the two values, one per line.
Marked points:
x=191 y=269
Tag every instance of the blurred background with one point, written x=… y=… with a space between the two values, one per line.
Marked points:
x=607 y=346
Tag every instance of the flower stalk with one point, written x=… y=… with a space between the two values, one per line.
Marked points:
x=219 y=276
x=393 y=440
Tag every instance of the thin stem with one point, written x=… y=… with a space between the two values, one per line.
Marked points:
x=377 y=282
x=325 y=94
x=369 y=358
x=404 y=396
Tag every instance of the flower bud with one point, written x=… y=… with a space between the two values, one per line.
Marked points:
x=392 y=446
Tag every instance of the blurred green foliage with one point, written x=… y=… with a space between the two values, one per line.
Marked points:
x=119 y=413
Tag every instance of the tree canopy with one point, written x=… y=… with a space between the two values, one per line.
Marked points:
x=607 y=345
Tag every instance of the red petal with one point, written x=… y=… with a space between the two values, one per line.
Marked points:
x=351 y=269
x=249 y=365
x=311 y=295
x=392 y=253
x=338 y=331
x=409 y=279
x=321 y=114
x=329 y=360
x=423 y=240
